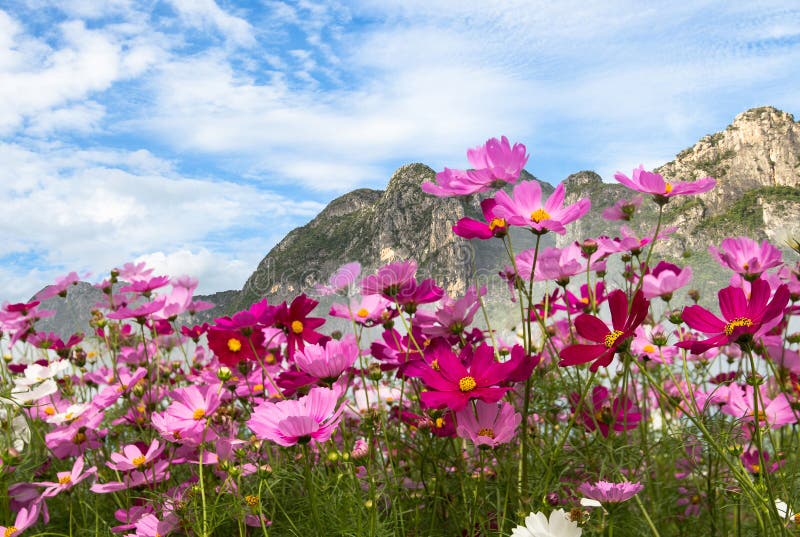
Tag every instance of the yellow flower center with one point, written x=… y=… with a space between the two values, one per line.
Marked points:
x=363 y=313
x=439 y=423
x=737 y=323
x=486 y=431
x=50 y=411
x=79 y=438
x=269 y=358
x=435 y=365
x=234 y=345
x=297 y=327
x=11 y=530
x=140 y=460
x=612 y=338
x=695 y=499
x=467 y=384
x=199 y=414
x=796 y=518
x=540 y=214
x=65 y=479
x=499 y=223
x=667 y=188
x=585 y=299
x=756 y=468
x=258 y=388
x=762 y=416
x=251 y=500
x=649 y=348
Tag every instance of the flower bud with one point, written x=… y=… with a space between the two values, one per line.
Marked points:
x=224 y=373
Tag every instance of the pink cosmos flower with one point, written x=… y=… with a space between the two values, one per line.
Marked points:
x=452 y=384
x=773 y=413
x=653 y=183
x=493 y=226
x=192 y=405
x=746 y=257
x=604 y=414
x=59 y=288
x=24 y=520
x=453 y=316
x=132 y=457
x=650 y=344
x=139 y=313
x=155 y=473
x=607 y=342
x=151 y=526
x=368 y=311
x=489 y=424
x=495 y=163
x=664 y=280
x=295 y=322
x=693 y=499
x=607 y=492
x=232 y=347
x=526 y=208
x=751 y=460
x=340 y=280
x=66 y=480
x=313 y=417
x=329 y=361
x=745 y=319
x=622 y=209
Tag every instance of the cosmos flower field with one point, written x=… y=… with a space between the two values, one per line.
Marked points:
x=608 y=411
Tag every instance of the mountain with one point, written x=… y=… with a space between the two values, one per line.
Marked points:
x=756 y=161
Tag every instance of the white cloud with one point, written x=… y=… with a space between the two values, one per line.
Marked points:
x=206 y=13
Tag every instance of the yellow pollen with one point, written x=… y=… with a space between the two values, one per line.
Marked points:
x=79 y=438
x=435 y=365
x=540 y=214
x=199 y=414
x=649 y=348
x=140 y=460
x=258 y=388
x=251 y=500
x=140 y=409
x=612 y=338
x=50 y=411
x=667 y=188
x=796 y=518
x=585 y=299
x=269 y=358
x=756 y=468
x=498 y=223
x=11 y=530
x=695 y=499
x=467 y=384
x=68 y=416
x=297 y=327
x=363 y=313
x=486 y=431
x=762 y=416
x=737 y=323
x=64 y=479
x=234 y=345
x=439 y=423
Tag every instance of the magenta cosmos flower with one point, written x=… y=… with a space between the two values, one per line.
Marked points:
x=607 y=492
x=604 y=414
x=66 y=480
x=493 y=226
x=653 y=183
x=313 y=417
x=526 y=208
x=665 y=279
x=452 y=384
x=608 y=341
x=390 y=279
x=745 y=318
x=489 y=425
x=495 y=163
x=746 y=257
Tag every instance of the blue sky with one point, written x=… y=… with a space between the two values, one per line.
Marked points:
x=194 y=134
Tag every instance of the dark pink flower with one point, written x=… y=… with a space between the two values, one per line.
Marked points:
x=452 y=384
x=653 y=183
x=745 y=318
x=493 y=226
x=746 y=257
x=527 y=209
x=605 y=414
x=608 y=341
x=231 y=347
x=297 y=325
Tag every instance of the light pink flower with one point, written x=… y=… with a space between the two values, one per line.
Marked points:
x=313 y=417
x=329 y=361
x=653 y=183
x=664 y=280
x=66 y=480
x=746 y=257
x=527 y=209
x=605 y=491
x=132 y=457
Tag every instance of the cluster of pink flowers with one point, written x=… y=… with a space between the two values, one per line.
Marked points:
x=253 y=386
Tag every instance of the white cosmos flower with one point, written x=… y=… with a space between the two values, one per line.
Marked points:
x=538 y=525
x=36 y=373
x=72 y=412
x=785 y=511
x=21 y=395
